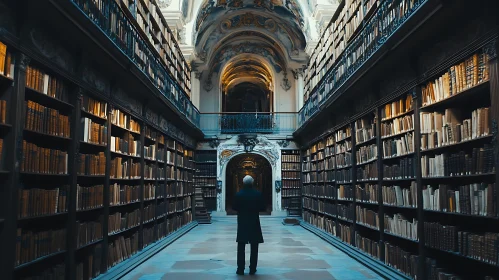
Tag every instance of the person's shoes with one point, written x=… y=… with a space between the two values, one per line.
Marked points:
x=252 y=271
x=240 y=272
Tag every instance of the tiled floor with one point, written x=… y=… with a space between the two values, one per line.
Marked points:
x=208 y=252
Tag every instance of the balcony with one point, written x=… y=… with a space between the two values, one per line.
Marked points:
x=236 y=123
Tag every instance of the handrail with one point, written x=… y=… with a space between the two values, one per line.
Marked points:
x=384 y=23
x=108 y=16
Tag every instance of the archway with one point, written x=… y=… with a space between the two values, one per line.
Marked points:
x=247 y=97
x=257 y=167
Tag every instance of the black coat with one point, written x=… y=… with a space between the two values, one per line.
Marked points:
x=248 y=203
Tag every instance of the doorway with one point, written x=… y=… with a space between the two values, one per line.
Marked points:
x=257 y=167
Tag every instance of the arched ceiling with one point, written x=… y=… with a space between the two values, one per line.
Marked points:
x=246 y=69
x=272 y=29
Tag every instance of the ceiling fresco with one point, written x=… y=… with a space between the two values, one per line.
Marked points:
x=288 y=9
x=291 y=39
x=228 y=51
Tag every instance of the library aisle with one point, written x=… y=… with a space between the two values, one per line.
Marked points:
x=208 y=252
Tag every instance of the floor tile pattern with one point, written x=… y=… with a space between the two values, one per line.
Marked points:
x=208 y=252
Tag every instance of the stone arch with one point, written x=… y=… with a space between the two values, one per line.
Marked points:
x=221 y=207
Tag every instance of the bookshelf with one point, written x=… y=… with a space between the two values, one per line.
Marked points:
x=422 y=201
x=146 y=16
x=92 y=177
x=205 y=179
x=291 y=181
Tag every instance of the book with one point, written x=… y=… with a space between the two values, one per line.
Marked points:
x=92 y=132
x=119 y=222
x=38 y=202
x=89 y=197
x=33 y=244
x=88 y=232
x=92 y=164
x=3 y=56
x=123 y=194
x=46 y=120
x=43 y=160
x=3 y=111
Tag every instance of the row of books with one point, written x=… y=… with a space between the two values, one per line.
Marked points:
x=93 y=132
x=290 y=165
x=322 y=222
x=296 y=184
x=119 y=222
x=401 y=260
x=367 y=172
x=367 y=245
x=290 y=174
x=367 y=217
x=31 y=245
x=127 y=145
x=479 y=199
x=364 y=130
x=89 y=197
x=439 y=130
x=290 y=158
x=290 y=192
x=479 y=161
x=405 y=169
x=88 y=232
x=43 y=160
x=124 y=169
x=367 y=193
x=343 y=147
x=90 y=266
x=328 y=191
x=345 y=192
x=7 y=62
x=40 y=202
x=343 y=160
x=40 y=81
x=346 y=212
x=398 y=196
x=153 y=172
x=468 y=73
x=122 y=249
x=94 y=107
x=3 y=111
x=92 y=164
x=46 y=120
x=397 y=108
x=150 y=191
x=397 y=126
x=401 y=226
x=366 y=153
x=479 y=246
x=123 y=120
x=398 y=147
x=149 y=213
x=343 y=176
x=123 y=194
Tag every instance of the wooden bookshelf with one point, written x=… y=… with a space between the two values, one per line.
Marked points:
x=147 y=17
x=432 y=172
x=291 y=181
x=69 y=140
x=205 y=179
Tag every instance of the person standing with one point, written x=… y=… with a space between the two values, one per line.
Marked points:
x=248 y=203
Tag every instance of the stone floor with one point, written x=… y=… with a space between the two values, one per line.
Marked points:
x=208 y=252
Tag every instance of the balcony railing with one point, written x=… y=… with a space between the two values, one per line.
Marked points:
x=107 y=15
x=376 y=32
x=235 y=123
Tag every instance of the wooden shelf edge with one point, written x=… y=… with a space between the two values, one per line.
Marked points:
x=373 y=264
x=128 y=265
